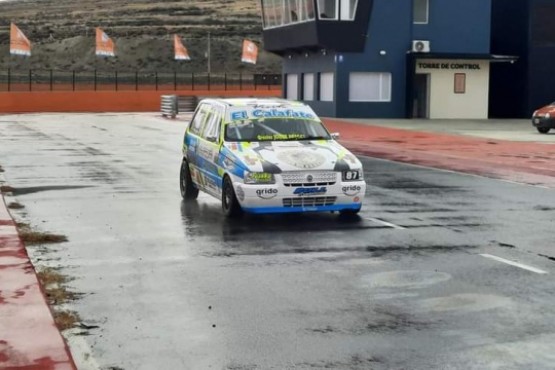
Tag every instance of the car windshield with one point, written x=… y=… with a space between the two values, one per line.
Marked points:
x=276 y=129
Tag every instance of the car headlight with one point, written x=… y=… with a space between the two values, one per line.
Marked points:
x=259 y=178
x=352 y=175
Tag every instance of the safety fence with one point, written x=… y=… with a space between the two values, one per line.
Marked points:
x=53 y=80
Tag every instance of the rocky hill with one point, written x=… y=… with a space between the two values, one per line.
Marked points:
x=62 y=33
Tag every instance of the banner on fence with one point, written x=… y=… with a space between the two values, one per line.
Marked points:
x=104 y=44
x=181 y=52
x=19 y=43
x=250 y=52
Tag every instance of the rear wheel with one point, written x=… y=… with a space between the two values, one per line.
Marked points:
x=188 y=189
x=230 y=204
x=543 y=130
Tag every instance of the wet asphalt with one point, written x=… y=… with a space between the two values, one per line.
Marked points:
x=171 y=285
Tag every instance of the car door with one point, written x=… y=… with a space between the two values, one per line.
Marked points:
x=192 y=142
x=208 y=151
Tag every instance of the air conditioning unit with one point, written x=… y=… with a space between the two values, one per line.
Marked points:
x=420 y=46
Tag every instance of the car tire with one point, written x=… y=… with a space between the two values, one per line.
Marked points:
x=543 y=130
x=188 y=189
x=349 y=212
x=230 y=204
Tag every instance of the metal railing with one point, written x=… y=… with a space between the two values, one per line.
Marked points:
x=53 y=80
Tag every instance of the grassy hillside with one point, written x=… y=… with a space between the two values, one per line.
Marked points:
x=62 y=33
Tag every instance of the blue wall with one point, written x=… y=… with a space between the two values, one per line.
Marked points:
x=455 y=26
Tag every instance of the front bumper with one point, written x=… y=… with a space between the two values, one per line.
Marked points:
x=543 y=122
x=278 y=198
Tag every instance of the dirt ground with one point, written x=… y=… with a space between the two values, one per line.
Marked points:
x=62 y=33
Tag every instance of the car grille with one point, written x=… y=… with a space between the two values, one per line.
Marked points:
x=321 y=178
x=309 y=201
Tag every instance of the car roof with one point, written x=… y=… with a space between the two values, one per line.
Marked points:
x=246 y=102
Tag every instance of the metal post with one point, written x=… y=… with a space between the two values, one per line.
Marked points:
x=136 y=80
x=192 y=81
x=208 y=80
x=254 y=80
x=9 y=79
x=30 y=80
x=208 y=54
x=225 y=81
x=51 y=81
x=174 y=80
x=156 y=78
x=95 y=80
x=241 y=81
x=73 y=80
x=116 y=73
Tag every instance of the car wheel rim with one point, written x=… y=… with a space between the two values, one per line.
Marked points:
x=227 y=197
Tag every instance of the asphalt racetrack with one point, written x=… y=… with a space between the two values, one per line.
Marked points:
x=441 y=270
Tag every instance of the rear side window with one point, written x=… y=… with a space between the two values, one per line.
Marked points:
x=212 y=127
x=198 y=119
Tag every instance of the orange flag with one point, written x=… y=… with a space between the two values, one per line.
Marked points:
x=250 y=52
x=19 y=43
x=181 y=52
x=104 y=44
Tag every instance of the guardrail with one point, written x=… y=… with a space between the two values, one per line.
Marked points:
x=53 y=80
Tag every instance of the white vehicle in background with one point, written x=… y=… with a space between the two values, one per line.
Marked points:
x=268 y=156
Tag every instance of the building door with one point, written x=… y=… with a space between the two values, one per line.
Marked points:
x=421 y=103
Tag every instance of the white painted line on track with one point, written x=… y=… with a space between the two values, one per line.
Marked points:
x=512 y=263
x=385 y=223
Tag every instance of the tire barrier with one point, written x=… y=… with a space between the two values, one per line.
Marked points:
x=186 y=104
x=169 y=106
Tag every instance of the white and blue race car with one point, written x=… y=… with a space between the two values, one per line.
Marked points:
x=268 y=156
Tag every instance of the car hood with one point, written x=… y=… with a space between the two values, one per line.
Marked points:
x=547 y=109
x=284 y=156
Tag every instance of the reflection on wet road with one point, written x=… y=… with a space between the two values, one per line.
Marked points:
x=174 y=285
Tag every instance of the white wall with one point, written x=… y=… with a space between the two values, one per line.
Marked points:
x=444 y=103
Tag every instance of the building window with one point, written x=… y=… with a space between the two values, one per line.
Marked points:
x=420 y=11
x=308 y=86
x=460 y=83
x=326 y=86
x=278 y=13
x=292 y=87
x=328 y=9
x=369 y=87
x=348 y=10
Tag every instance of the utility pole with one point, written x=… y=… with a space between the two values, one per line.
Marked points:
x=208 y=53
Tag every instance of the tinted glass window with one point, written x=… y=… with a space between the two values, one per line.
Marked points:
x=420 y=11
x=198 y=119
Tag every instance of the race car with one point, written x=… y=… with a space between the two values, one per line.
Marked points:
x=268 y=156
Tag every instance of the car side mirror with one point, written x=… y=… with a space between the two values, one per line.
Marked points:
x=335 y=135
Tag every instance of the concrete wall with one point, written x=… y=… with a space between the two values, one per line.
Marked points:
x=106 y=101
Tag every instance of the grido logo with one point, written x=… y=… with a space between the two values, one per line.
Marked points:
x=351 y=190
x=310 y=191
x=266 y=193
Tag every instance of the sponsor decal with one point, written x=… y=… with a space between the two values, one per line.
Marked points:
x=271 y=113
x=351 y=190
x=267 y=193
x=311 y=191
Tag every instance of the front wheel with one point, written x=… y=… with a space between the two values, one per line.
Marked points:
x=188 y=189
x=349 y=212
x=543 y=130
x=230 y=204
